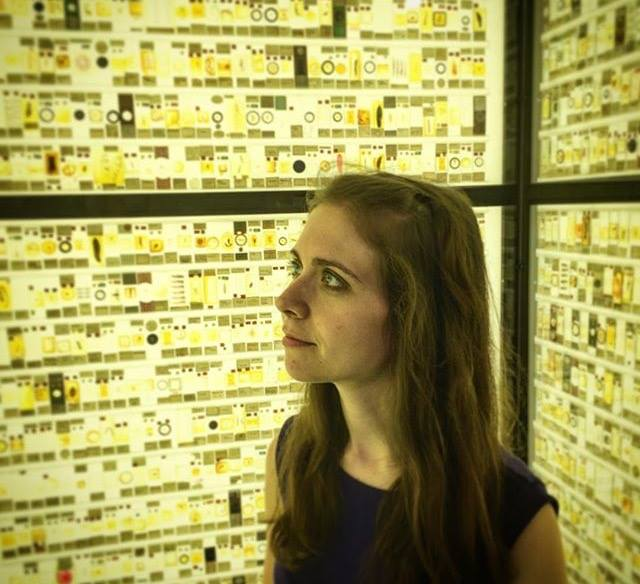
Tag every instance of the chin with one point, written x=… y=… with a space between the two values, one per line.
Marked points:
x=306 y=378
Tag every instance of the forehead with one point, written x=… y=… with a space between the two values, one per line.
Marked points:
x=330 y=234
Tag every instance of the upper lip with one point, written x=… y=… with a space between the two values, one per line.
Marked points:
x=296 y=338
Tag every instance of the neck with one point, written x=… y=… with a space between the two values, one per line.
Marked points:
x=368 y=426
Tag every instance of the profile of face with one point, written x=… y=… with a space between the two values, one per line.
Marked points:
x=342 y=309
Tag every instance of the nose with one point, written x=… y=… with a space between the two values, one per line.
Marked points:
x=291 y=302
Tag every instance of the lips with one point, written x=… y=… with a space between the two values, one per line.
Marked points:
x=297 y=338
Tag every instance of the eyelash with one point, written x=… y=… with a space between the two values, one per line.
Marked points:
x=293 y=264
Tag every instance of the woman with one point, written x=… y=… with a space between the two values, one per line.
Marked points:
x=393 y=471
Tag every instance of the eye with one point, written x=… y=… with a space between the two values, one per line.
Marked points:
x=293 y=268
x=341 y=284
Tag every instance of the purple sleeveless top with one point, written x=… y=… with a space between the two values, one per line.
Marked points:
x=524 y=495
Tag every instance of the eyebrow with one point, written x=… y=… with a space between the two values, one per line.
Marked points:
x=323 y=262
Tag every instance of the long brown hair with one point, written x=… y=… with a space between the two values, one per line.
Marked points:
x=443 y=512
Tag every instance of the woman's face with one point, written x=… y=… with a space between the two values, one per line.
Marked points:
x=342 y=314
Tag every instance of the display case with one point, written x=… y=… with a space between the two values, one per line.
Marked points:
x=585 y=382
x=584 y=273
x=587 y=90
x=189 y=96
x=154 y=158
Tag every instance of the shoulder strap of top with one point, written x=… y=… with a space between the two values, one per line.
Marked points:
x=524 y=495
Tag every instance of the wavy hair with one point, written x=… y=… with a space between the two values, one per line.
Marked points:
x=443 y=511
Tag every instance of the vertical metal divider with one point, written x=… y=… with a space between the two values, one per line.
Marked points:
x=523 y=181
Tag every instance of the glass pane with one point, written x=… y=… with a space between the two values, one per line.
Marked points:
x=584 y=366
x=587 y=89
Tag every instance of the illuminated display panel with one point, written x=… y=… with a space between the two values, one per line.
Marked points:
x=587 y=111
x=141 y=375
x=150 y=96
x=584 y=351
x=585 y=382
x=141 y=381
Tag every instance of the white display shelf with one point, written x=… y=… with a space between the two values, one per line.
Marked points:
x=246 y=91
x=585 y=177
x=280 y=40
x=152 y=362
x=264 y=443
x=567 y=26
x=172 y=407
x=592 y=258
x=586 y=357
x=203 y=312
x=589 y=407
x=230 y=142
x=590 y=124
x=577 y=75
x=135 y=543
x=592 y=207
x=137 y=499
x=627 y=528
x=627 y=316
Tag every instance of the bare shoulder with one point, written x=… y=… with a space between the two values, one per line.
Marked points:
x=537 y=554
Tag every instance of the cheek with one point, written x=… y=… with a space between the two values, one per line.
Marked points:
x=369 y=329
